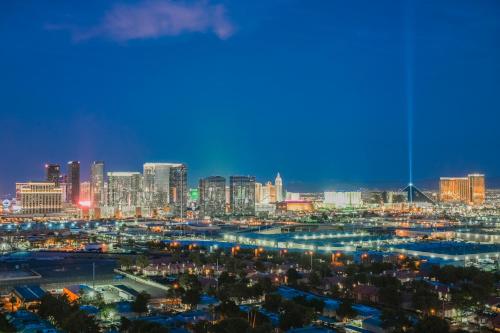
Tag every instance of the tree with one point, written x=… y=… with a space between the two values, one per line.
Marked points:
x=191 y=297
x=228 y=309
x=432 y=324
x=189 y=281
x=266 y=285
x=292 y=276
x=345 y=310
x=5 y=326
x=231 y=325
x=13 y=301
x=314 y=279
x=394 y=320
x=141 y=326
x=125 y=262
x=79 y=322
x=140 y=304
x=67 y=316
x=202 y=326
x=259 y=266
x=272 y=302
x=423 y=298
x=295 y=315
x=142 y=261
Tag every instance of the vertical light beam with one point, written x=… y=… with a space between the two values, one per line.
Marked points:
x=409 y=86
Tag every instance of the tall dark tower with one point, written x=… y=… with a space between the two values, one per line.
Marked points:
x=213 y=196
x=74 y=182
x=53 y=173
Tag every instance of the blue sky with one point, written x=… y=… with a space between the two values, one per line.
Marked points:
x=318 y=90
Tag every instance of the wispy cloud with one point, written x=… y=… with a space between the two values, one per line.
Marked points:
x=154 y=19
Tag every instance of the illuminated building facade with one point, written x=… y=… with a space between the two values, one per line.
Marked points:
x=53 y=173
x=165 y=185
x=213 y=196
x=468 y=190
x=454 y=189
x=278 y=183
x=97 y=196
x=124 y=189
x=477 y=189
x=178 y=190
x=268 y=193
x=343 y=199
x=258 y=193
x=39 y=197
x=85 y=192
x=242 y=195
x=73 y=182
x=295 y=206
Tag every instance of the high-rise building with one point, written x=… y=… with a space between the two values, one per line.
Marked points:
x=477 y=188
x=73 y=182
x=84 y=197
x=258 y=193
x=278 y=183
x=165 y=185
x=156 y=184
x=212 y=196
x=242 y=195
x=178 y=190
x=343 y=199
x=97 y=184
x=454 y=189
x=39 y=197
x=124 y=189
x=268 y=193
x=53 y=173
x=468 y=190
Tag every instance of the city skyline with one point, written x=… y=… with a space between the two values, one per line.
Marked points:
x=333 y=90
x=292 y=184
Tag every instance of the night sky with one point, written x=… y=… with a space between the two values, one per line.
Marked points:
x=318 y=90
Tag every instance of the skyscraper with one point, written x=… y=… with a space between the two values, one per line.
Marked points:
x=73 y=182
x=468 y=190
x=454 y=189
x=97 y=183
x=268 y=193
x=178 y=190
x=258 y=193
x=477 y=189
x=124 y=189
x=165 y=184
x=278 y=183
x=53 y=173
x=85 y=189
x=212 y=196
x=242 y=195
